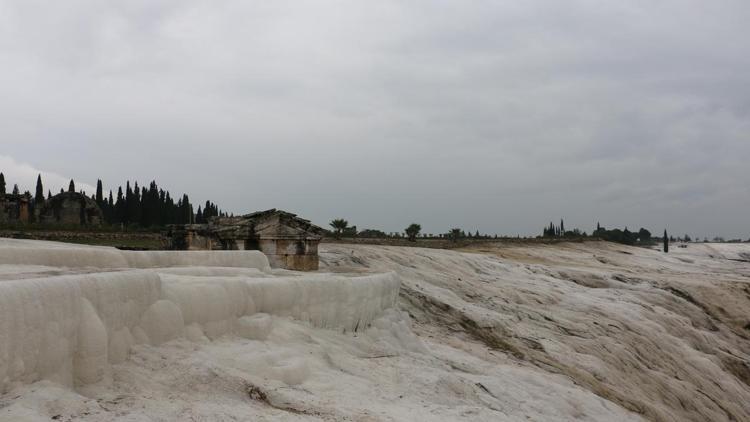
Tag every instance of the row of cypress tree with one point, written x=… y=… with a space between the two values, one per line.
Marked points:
x=3 y=191
x=144 y=207
x=642 y=236
x=625 y=236
x=134 y=206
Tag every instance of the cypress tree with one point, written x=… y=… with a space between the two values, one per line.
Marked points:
x=154 y=208
x=109 y=212
x=133 y=201
x=145 y=210
x=39 y=197
x=666 y=242
x=16 y=191
x=162 y=207
x=120 y=206
x=99 y=192
x=207 y=211
x=169 y=212
x=128 y=202
x=187 y=210
x=49 y=194
x=562 y=227
x=135 y=217
x=2 y=184
x=71 y=186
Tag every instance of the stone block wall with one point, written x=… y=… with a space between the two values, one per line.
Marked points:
x=292 y=254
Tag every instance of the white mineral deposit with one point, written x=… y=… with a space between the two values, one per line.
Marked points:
x=580 y=331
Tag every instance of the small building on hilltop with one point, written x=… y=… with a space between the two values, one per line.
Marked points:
x=70 y=208
x=289 y=241
x=15 y=208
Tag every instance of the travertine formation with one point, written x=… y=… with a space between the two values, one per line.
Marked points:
x=68 y=312
x=287 y=240
x=571 y=332
x=662 y=335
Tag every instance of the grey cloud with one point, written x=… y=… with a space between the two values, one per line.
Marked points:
x=495 y=115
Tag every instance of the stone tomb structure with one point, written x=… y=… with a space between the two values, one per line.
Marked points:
x=15 y=208
x=70 y=208
x=289 y=241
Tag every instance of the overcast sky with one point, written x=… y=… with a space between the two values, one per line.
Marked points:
x=490 y=115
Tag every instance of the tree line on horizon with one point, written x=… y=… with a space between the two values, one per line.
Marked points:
x=625 y=236
x=341 y=228
x=641 y=237
x=155 y=207
x=135 y=206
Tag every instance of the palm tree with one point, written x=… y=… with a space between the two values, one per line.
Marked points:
x=412 y=231
x=339 y=225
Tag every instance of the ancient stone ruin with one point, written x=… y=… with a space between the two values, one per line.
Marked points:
x=289 y=241
x=15 y=208
x=70 y=208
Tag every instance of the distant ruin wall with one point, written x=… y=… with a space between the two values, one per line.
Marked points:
x=15 y=209
x=288 y=241
x=71 y=209
x=297 y=253
x=300 y=255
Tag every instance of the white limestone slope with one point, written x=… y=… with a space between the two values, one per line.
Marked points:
x=70 y=328
x=666 y=336
x=569 y=332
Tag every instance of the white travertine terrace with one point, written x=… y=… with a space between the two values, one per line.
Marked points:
x=69 y=328
x=588 y=331
x=108 y=258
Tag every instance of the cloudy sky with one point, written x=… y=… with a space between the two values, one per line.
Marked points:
x=490 y=115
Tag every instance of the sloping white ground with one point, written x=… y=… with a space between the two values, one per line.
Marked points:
x=70 y=329
x=567 y=332
x=665 y=336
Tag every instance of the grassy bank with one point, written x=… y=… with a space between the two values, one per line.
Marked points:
x=146 y=240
